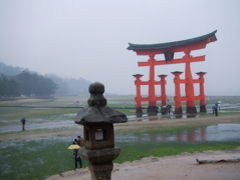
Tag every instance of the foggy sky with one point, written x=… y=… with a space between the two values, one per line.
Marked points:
x=77 y=38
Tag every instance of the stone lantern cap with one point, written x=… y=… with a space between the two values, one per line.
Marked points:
x=97 y=111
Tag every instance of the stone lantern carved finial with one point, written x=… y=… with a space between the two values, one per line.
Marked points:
x=97 y=99
x=98 y=111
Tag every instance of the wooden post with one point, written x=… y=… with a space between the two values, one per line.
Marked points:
x=138 y=97
x=189 y=88
x=177 y=98
x=152 y=108
x=163 y=89
x=202 y=93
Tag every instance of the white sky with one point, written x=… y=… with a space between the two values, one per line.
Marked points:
x=77 y=38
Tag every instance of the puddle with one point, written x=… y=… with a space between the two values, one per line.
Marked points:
x=219 y=132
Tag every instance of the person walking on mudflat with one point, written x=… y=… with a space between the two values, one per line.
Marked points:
x=215 y=109
x=23 y=121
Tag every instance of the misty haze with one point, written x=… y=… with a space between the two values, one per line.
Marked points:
x=89 y=39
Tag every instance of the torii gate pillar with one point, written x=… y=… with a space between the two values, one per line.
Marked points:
x=189 y=88
x=177 y=98
x=202 y=93
x=138 y=95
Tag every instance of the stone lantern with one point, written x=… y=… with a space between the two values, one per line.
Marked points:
x=98 y=120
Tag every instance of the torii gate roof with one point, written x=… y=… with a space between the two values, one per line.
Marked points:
x=207 y=38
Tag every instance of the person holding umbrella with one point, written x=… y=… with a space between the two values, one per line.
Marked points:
x=77 y=158
x=75 y=147
x=76 y=154
x=80 y=141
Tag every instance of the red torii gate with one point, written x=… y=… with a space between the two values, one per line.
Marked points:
x=168 y=49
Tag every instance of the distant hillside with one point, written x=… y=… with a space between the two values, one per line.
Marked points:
x=10 y=70
x=70 y=86
x=65 y=86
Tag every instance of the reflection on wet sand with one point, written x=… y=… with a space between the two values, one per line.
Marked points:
x=219 y=132
x=160 y=117
x=189 y=136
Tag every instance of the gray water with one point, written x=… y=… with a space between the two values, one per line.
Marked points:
x=30 y=125
x=66 y=120
x=218 y=132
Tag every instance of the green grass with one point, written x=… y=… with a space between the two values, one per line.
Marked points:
x=42 y=158
x=136 y=151
x=35 y=159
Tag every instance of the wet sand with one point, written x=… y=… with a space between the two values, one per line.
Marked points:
x=162 y=123
x=181 y=167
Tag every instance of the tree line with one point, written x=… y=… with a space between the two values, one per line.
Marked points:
x=26 y=84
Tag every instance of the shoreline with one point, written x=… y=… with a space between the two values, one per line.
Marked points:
x=130 y=126
x=162 y=123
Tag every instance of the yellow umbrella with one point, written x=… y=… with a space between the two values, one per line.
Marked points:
x=73 y=146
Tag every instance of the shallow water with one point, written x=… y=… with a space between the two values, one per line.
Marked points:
x=67 y=120
x=38 y=125
x=219 y=132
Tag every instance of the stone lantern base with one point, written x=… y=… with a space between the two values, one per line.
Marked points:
x=100 y=161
